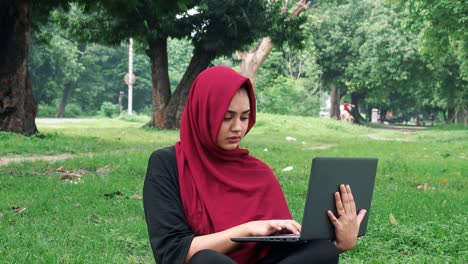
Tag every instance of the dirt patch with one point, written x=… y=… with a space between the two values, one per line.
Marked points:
x=375 y=137
x=320 y=147
x=18 y=159
x=15 y=159
x=404 y=128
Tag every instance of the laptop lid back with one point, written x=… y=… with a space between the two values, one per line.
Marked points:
x=326 y=175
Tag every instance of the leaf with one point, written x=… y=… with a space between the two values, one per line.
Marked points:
x=392 y=219
x=443 y=181
x=103 y=171
x=289 y=168
x=95 y=218
x=71 y=176
x=60 y=169
x=19 y=210
x=136 y=197
x=113 y=194
x=445 y=155
x=405 y=252
x=425 y=186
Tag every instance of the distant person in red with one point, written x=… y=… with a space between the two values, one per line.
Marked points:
x=346 y=106
x=345 y=112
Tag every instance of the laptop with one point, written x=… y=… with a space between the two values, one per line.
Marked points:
x=326 y=175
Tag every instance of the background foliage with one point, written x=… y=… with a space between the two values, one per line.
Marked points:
x=398 y=56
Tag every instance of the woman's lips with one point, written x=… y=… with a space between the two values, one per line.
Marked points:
x=233 y=139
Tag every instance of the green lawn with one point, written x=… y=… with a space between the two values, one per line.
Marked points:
x=99 y=219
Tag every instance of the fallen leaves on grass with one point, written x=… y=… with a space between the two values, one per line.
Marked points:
x=445 y=155
x=19 y=210
x=443 y=181
x=95 y=218
x=405 y=252
x=425 y=186
x=113 y=194
x=103 y=171
x=392 y=219
x=136 y=197
x=72 y=176
x=122 y=195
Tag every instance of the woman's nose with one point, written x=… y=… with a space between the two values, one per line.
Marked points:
x=236 y=125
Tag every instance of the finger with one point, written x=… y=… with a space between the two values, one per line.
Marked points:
x=296 y=225
x=352 y=203
x=339 y=205
x=274 y=226
x=344 y=198
x=361 y=215
x=332 y=218
x=291 y=227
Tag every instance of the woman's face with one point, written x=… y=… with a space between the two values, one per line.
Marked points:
x=235 y=123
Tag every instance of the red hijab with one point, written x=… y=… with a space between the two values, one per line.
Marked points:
x=219 y=188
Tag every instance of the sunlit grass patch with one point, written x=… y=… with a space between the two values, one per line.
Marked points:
x=86 y=208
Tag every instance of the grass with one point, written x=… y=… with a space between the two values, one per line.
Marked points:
x=100 y=220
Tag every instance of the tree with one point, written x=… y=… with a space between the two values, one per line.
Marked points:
x=333 y=27
x=365 y=52
x=216 y=28
x=54 y=65
x=284 y=28
x=444 y=25
x=18 y=108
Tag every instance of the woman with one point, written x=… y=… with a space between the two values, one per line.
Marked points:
x=206 y=189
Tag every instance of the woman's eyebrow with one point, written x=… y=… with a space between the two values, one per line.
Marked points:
x=234 y=112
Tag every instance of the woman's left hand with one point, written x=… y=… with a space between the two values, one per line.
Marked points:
x=346 y=222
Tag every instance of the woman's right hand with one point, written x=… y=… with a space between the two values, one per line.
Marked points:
x=221 y=241
x=268 y=227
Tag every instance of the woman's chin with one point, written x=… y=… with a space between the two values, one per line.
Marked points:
x=229 y=147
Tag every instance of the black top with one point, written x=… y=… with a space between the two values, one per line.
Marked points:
x=170 y=235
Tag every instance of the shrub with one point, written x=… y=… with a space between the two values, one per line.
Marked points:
x=287 y=96
x=147 y=110
x=46 y=110
x=109 y=109
x=135 y=117
x=72 y=111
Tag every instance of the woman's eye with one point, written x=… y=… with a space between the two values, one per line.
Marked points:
x=243 y=118
x=227 y=118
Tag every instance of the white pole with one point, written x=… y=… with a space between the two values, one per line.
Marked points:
x=130 y=76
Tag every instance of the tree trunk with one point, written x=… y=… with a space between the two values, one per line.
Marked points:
x=253 y=59
x=334 y=102
x=161 y=93
x=382 y=114
x=461 y=115
x=67 y=87
x=356 y=99
x=18 y=109
x=201 y=59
